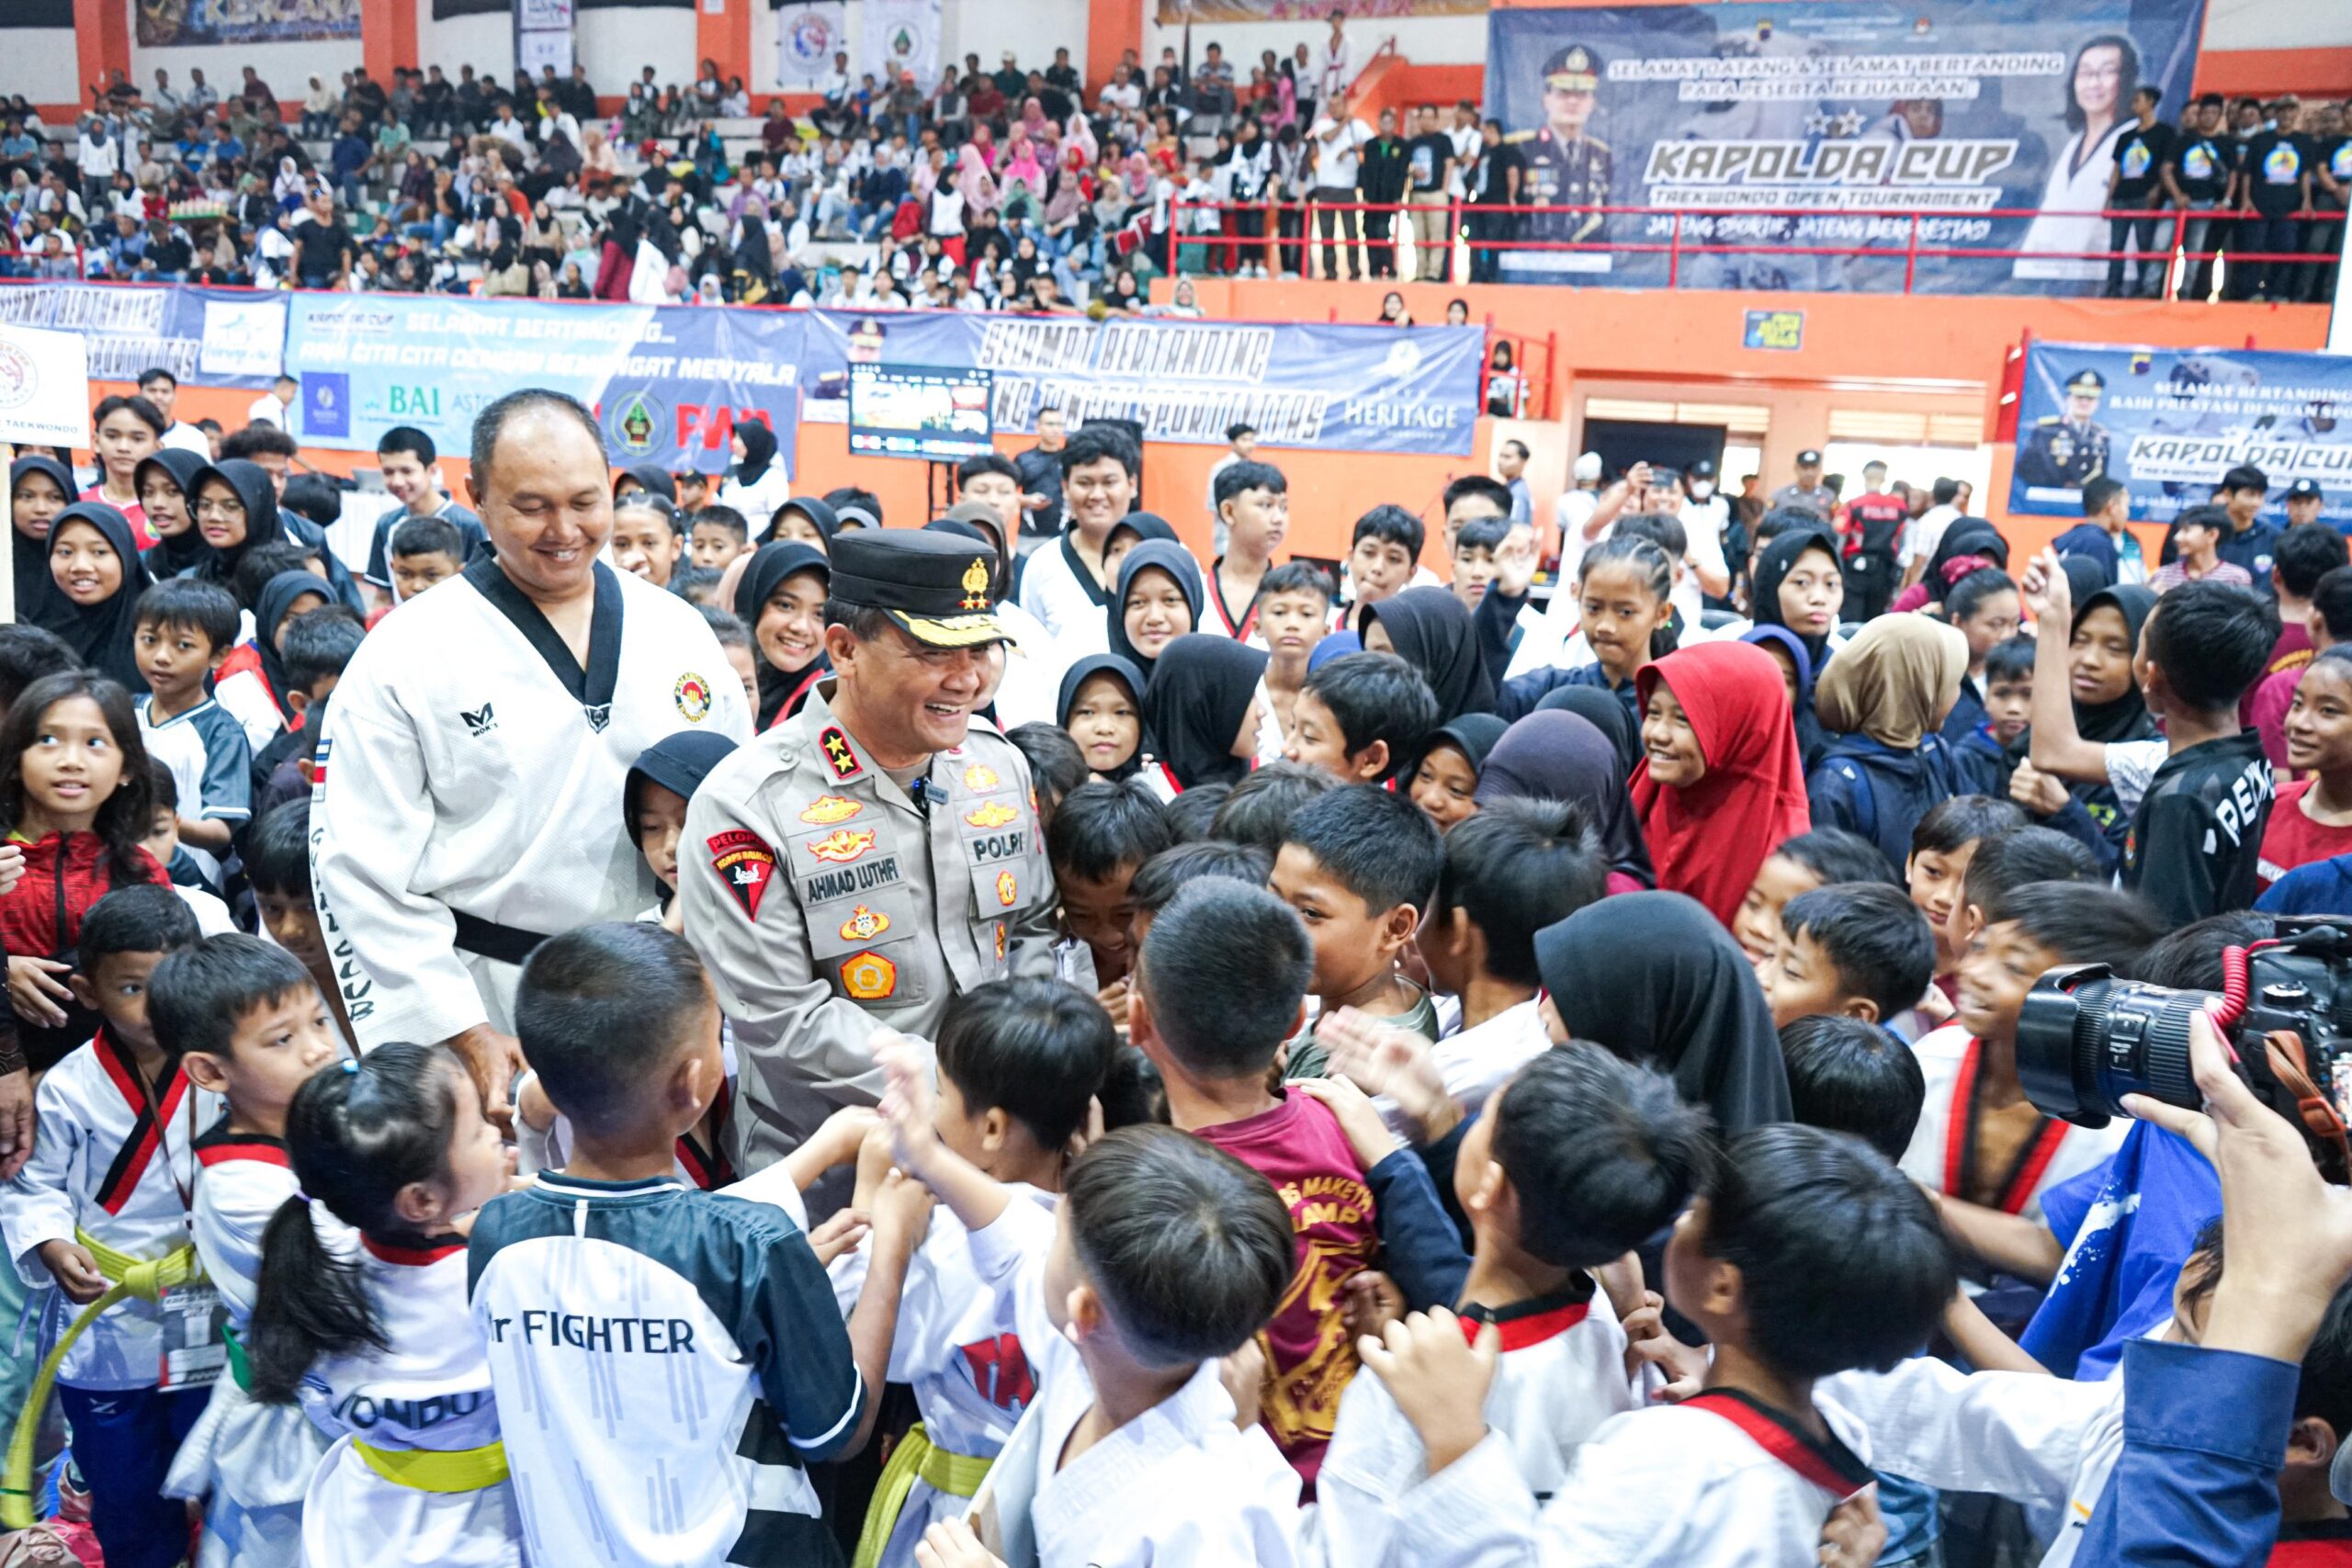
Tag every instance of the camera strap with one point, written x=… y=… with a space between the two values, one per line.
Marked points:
x=2289 y=1067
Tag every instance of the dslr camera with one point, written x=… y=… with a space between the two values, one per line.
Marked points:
x=2086 y=1038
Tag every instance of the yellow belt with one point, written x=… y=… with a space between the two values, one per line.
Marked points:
x=915 y=1458
x=435 y=1470
x=126 y=1277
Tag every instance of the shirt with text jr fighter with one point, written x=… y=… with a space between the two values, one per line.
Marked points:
x=666 y=1362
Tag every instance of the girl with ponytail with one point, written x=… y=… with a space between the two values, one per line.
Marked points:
x=380 y=1349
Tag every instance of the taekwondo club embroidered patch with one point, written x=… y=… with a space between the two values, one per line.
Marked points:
x=745 y=863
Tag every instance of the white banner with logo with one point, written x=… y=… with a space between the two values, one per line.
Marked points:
x=900 y=36
x=806 y=38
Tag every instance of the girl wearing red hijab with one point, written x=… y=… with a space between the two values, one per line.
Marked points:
x=1721 y=780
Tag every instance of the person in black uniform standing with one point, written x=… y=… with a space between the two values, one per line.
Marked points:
x=1381 y=177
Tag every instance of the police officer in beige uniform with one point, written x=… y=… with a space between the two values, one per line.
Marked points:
x=861 y=863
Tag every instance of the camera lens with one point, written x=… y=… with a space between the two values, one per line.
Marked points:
x=2086 y=1040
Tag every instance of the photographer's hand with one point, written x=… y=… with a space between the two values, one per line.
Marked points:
x=2290 y=1234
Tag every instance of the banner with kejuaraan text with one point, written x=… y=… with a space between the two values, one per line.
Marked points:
x=2169 y=422
x=1810 y=127
x=669 y=383
x=1342 y=387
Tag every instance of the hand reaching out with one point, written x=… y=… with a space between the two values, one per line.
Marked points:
x=1368 y=1136
x=1243 y=1373
x=838 y=1235
x=1438 y=1378
x=1370 y=1302
x=1381 y=1058
x=907 y=1102
x=950 y=1543
x=1854 y=1534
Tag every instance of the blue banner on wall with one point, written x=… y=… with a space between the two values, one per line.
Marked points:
x=2170 y=422
x=669 y=383
x=1347 y=389
x=222 y=337
x=1734 y=115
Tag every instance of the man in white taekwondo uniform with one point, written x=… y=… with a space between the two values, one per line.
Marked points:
x=473 y=759
x=864 y=862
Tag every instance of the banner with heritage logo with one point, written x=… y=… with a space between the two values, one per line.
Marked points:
x=172 y=24
x=667 y=383
x=2170 y=422
x=1825 y=124
x=1349 y=389
x=222 y=337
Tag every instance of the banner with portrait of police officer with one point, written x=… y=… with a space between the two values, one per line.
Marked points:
x=1824 y=126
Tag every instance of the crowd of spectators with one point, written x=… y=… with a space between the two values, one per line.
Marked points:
x=1017 y=188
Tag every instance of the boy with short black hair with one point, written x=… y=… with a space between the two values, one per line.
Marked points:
x=1020 y=1064
x=1474 y=547
x=1359 y=865
x=421 y=552
x=2006 y=861
x=1160 y=879
x=595 y=1290
x=318 y=648
x=1165 y=1256
x=1800 y=863
x=277 y=864
x=1253 y=507
x=1941 y=846
x=1262 y=805
x=1384 y=557
x=185 y=629
x=1981 y=1144
x=412 y=475
x=1582 y=1159
x=1221 y=984
x=1507 y=873
x=1855 y=949
x=2194 y=847
x=2196 y=536
x=1361 y=717
x=1294 y=616
x=716 y=535
x=1850 y=1075
x=249 y=1025
x=1806 y=1254
x=1101 y=835
x=103 y=1190
x=1988 y=755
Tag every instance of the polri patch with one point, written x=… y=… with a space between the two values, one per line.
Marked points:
x=869 y=978
x=839 y=756
x=746 y=864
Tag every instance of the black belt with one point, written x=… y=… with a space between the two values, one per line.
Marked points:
x=487 y=939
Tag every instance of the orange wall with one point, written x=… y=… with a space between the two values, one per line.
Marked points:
x=1860 y=351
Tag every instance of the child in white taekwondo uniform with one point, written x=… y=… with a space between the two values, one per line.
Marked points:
x=106 y=1190
x=465 y=750
x=1019 y=1063
x=1165 y=1256
x=667 y=1361
x=1748 y=1472
x=1579 y=1158
x=394 y=1144
x=248 y=1024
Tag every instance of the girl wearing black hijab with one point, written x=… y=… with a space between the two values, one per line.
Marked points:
x=1131 y=532
x=806 y=520
x=782 y=599
x=1100 y=708
x=1443 y=782
x=39 y=489
x=1430 y=629
x=1601 y=709
x=236 y=510
x=1201 y=708
x=1659 y=980
x=1800 y=585
x=759 y=484
x=2108 y=710
x=1142 y=617
x=167 y=495
x=95 y=564
x=649 y=477
x=275 y=608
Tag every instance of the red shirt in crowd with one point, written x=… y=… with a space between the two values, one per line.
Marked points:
x=2293 y=839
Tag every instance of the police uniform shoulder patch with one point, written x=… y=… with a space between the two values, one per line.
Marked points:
x=827 y=811
x=868 y=978
x=691 y=694
x=840 y=757
x=992 y=814
x=980 y=776
x=746 y=864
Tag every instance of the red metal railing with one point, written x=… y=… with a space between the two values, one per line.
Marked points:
x=1678 y=244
